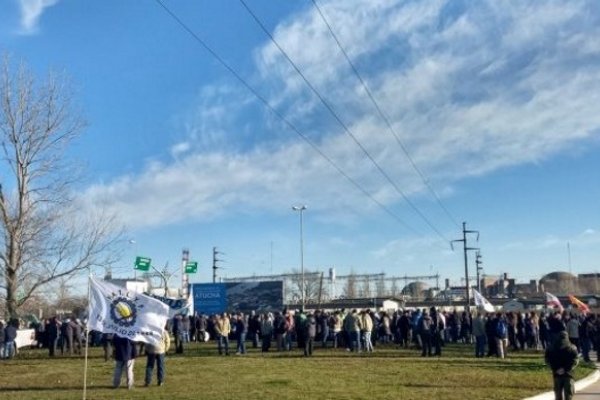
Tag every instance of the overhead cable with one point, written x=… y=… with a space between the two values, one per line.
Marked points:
x=263 y=100
x=343 y=125
x=385 y=118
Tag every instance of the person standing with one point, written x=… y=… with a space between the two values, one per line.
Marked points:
x=366 y=326
x=338 y=334
x=254 y=328
x=66 y=335
x=404 y=326
x=573 y=330
x=125 y=354
x=222 y=329
x=266 y=331
x=501 y=330
x=310 y=332
x=479 y=333
x=178 y=333
x=561 y=356
x=52 y=333
x=425 y=328
x=201 y=327
x=155 y=354
x=437 y=328
x=323 y=322
x=10 y=335
x=241 y=330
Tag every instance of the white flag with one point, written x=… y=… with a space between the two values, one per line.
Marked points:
x=114 y=309
x=553 y=301
x=481 y=301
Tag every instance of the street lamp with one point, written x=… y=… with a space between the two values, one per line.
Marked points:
x=301 y=209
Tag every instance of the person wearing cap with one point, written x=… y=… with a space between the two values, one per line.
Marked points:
x=562 y=358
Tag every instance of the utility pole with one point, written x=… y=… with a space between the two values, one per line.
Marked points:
x=214 y=264
x=185 y=257
x=478 y=262
x=465 y=249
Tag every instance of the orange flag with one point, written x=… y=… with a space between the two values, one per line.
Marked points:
x=580 y=304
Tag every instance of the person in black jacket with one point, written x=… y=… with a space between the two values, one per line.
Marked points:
x=10 y=335
x=52 y=333
x=125 y=354
x=561 y=356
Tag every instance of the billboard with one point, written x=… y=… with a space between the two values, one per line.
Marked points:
x=260 y=296
x=209 y=298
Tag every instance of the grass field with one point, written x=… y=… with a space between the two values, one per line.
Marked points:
x=329 y=374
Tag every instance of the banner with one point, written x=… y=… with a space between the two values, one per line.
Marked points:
x=116 y=310
x=176 y=306
x=25 y=337
x=552 y=301
x=481 y=301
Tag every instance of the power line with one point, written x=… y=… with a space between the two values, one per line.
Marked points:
x=342 y=124
x=384 y=116
x=281 y=117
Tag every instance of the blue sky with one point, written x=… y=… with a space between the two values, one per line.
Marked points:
x=496 y=103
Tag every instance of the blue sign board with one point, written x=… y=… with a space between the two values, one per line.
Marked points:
x=209 y=298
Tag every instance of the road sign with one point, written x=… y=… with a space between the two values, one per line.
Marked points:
x=142 y=263
x=191 y=267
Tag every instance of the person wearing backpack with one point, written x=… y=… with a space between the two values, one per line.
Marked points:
x=501 y=335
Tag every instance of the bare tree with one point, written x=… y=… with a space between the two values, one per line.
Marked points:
x=43 y=235
x=350 y=291
x=366 y=289
x=311 y=285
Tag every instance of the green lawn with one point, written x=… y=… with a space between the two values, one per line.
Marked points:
x=329 y=374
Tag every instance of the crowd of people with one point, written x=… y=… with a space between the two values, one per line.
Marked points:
x=427 y=330
x=493 y=334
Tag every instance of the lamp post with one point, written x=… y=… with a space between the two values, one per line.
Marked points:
x=302 y=287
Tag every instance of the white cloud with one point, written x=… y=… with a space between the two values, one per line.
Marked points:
x=31 y=12
x=179 y=149
x=469 y=91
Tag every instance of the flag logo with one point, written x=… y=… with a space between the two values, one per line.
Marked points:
x=123 y=311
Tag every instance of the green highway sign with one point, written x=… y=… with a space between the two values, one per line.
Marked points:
x=191 y=267
x=142 y=263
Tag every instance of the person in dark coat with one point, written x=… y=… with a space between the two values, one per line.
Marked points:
x=310 y=332
x=125 y=354
x=66 y=334
x=52 y=331
x=561 y=356
x=10 y=335
x=490 y=333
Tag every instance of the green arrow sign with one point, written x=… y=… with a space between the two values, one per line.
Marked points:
x=142 y=263
x=191 y=267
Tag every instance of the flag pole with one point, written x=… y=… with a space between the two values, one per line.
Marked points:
x=87 y=339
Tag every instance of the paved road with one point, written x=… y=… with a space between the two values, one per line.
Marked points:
x=589 y=393
x=592 y=391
